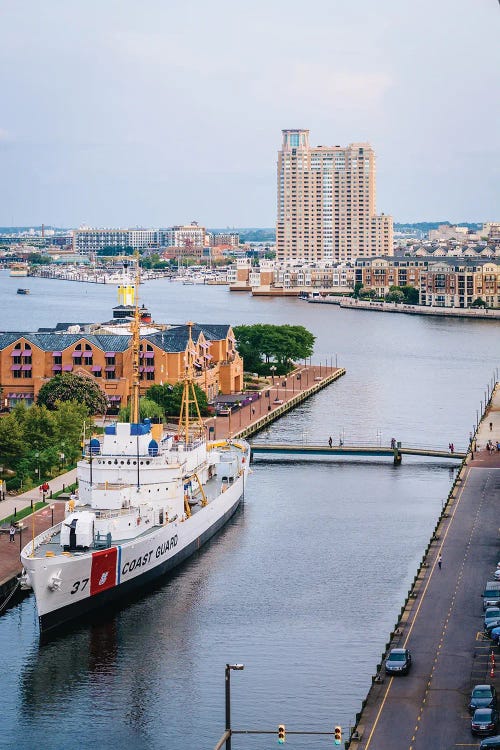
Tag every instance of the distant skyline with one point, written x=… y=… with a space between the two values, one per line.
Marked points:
x=120 y=114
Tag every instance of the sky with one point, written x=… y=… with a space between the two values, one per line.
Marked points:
x=120 y=113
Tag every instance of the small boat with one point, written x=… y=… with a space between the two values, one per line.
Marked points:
x=23 y=291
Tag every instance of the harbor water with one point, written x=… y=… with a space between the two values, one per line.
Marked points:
x=305 y=583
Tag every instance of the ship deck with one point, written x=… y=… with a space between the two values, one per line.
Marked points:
x=51 y=544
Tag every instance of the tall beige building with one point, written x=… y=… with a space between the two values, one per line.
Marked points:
x=326 y=202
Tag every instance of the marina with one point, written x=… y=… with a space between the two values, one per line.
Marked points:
x=220 y=606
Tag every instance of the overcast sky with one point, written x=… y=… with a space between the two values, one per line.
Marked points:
x=125 y=113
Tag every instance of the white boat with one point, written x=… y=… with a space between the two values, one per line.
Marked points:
x=147 y=500
x=19 y=269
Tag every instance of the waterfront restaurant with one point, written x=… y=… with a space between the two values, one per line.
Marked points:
x=28 y=360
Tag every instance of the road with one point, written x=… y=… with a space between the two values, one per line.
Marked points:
x=428 y=708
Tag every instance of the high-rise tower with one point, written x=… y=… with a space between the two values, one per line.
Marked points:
x=326 y=202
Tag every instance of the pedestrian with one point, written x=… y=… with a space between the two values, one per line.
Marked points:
x=253 y=410
x=12 y=533
x=330 y=441
x=452 y=448
x=449 y=447
x=393 y=442
x=440 y=561
x=491 y=426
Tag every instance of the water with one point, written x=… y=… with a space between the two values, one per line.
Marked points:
x=305 y=583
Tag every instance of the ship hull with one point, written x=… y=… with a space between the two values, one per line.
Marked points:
x=68 y=587
x=56 y=620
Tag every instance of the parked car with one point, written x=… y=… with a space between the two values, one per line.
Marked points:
x=490 y=743
x=495 y=634
x=484 y=721
x=398 y=661
x=492 y=613
x=491 y=626
x=483 y=696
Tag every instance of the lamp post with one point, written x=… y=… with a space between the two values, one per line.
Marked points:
x=229 y=423
x=52 y=511
x=37 y=457
x=20 y=526
x=229 y=667
x=273 y=370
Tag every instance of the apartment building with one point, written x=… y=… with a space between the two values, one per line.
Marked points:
x=459 y=283
x=382 y=273
x=326 y=202
x=28 y=360
x=190 y=236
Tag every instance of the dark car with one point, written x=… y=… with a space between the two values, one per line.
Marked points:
x=484 y=721
x=491 y=614
x=490 y=743
x=491 y=626
x=398 y=661
x=483 y=696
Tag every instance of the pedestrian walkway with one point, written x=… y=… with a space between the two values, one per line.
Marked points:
x=279 y=392
x=16 y=503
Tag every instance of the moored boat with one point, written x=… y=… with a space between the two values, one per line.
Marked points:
x=23 y=291
x=147 y=500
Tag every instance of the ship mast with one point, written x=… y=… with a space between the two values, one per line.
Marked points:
x=135 y=328
x=189 y=396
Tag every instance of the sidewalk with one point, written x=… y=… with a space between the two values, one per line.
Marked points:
x=18 y=502
x=482 y=457
x=284 y=389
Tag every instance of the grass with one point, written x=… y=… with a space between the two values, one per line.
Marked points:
x=37 y=506
x=24 y=512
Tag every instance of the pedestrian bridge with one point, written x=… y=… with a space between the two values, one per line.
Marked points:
x=348 y=451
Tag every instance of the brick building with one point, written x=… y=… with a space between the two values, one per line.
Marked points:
x=28 y=360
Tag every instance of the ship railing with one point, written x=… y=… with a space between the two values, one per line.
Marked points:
x=45 y=537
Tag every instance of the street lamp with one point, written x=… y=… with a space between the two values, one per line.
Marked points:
x=37 y=456
x=52 y=511
x=229 y=667
x=20 y=527
x=273 y=370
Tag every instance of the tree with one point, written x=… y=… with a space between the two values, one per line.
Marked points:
x=169 y=397
x=357 y=289
x=411 y=294
x=262 y=345
x=478 y=302
x=395 y=295
x=148 y=409
x=71 y=387
x=12 y=445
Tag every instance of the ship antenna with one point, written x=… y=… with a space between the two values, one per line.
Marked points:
x=136 y=331
x=189 y=394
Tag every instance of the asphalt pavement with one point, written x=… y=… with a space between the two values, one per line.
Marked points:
x=442 y=626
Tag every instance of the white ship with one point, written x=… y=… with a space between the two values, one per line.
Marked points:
x=147 y=500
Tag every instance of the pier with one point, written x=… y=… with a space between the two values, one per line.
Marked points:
x=441 y=621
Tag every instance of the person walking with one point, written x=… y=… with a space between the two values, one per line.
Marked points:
x=491 y=426
x=330 y=441
x=12 y=533
x=440 y=561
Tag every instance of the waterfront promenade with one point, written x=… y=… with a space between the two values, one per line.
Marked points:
x=441 y=621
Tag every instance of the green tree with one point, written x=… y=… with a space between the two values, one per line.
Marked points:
x=70 y=387
x=394 y=295
x=69 y=418
x=148 y=409
x=357 y=289
x=411 y=294
x=261 y=345
x=479 y=302
x=12 y=445
x=169 y=398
